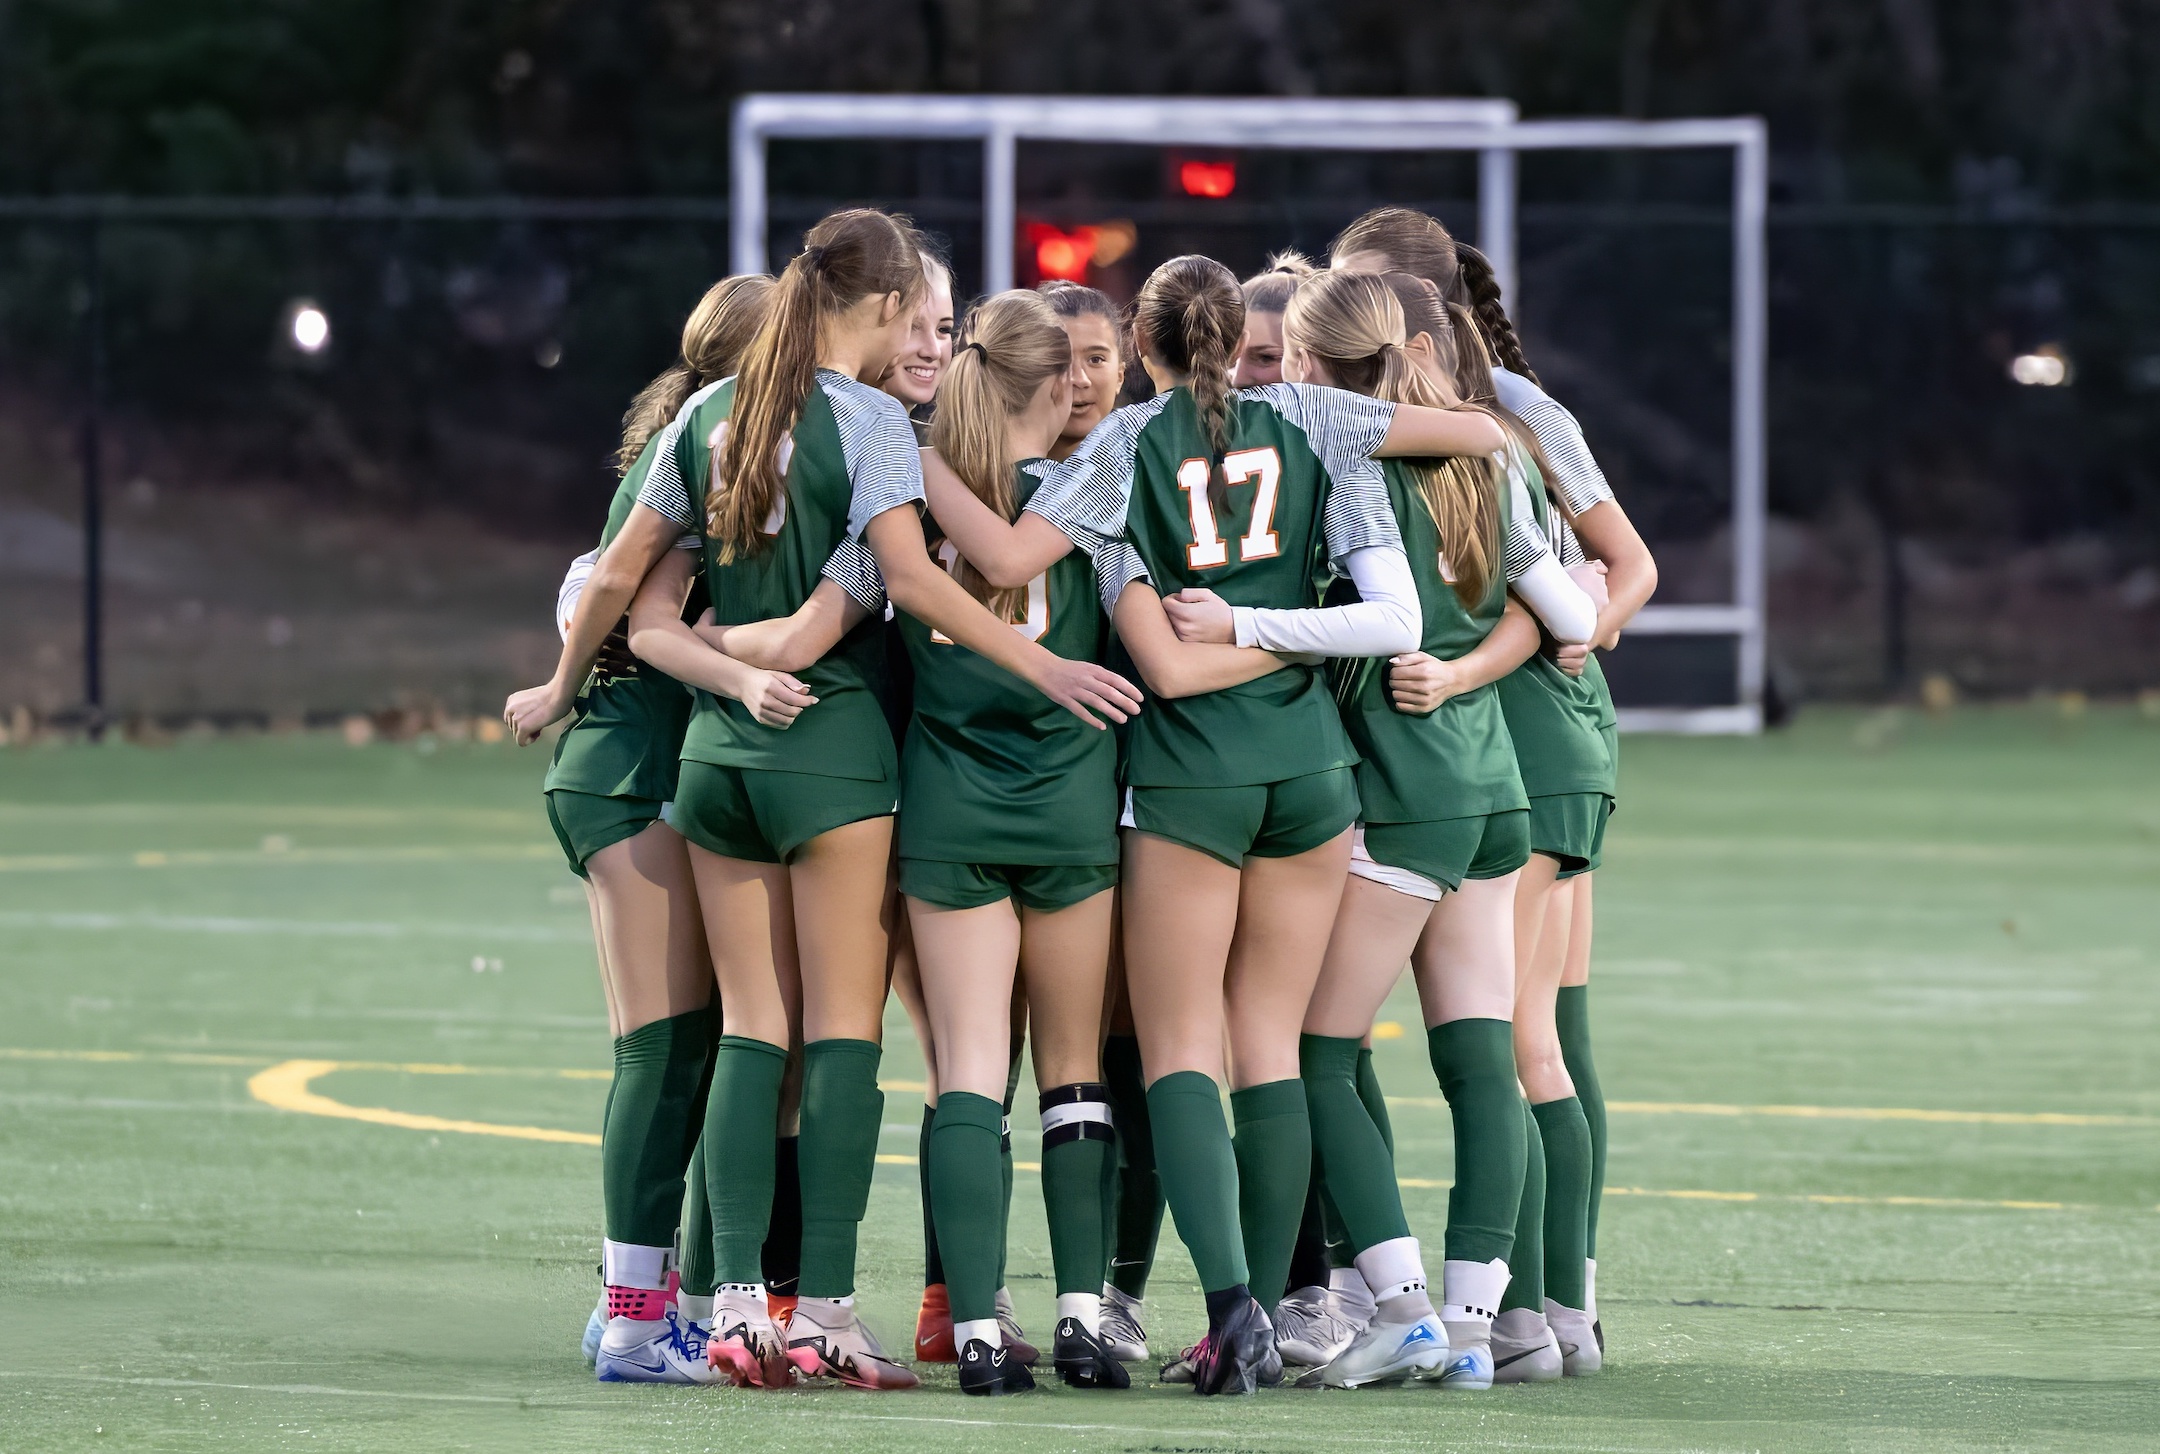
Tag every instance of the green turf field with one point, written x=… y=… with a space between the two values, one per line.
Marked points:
x=1875 y=1002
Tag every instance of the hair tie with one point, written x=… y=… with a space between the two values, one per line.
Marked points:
x=975 y=347
x=814 y=256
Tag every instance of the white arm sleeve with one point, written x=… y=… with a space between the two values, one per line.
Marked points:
x=571 y=589
x=1385 y=621
x=1551 y=593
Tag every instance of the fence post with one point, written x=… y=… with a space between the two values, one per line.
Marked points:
x=93 y=502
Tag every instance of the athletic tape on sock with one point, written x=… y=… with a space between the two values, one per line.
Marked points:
x=1392 y=1268
x=1076 y=1113
x=628 y=1265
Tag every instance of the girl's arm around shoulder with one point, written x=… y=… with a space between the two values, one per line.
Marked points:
x=1006 y=554
x=789 y=643
x=1631 y=574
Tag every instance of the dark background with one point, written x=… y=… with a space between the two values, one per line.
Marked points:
x=1953 y=184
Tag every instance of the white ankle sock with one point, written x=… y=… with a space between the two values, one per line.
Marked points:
x=626 y=1264
x=1392 y=1269
x=986 y=1329
x=696 y=1309
x=1472 y=1292
x=1084 y=1308
x=1590 y=1287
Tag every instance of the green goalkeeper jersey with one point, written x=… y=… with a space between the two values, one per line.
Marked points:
x=994 y=772
x=1297 y=492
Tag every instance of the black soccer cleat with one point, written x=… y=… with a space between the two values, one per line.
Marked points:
x=1083 y=1360
x=1238 y=1355
x=988 y=1371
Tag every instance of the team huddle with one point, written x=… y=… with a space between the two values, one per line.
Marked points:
x=1151 y=741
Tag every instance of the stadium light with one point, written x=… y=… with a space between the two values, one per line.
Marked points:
x=1207 y=179
x=307 y=326
x=2044 y=368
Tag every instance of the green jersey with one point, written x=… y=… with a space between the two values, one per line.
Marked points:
x=1303 y=492
x=625 y=734
x=852 y=457
x=1555 y=719
x=1456 y=761
x=995 y=772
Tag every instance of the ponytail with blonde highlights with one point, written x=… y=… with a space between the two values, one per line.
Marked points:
x=1355 y=324
x=849 y=256
x=1012 y=345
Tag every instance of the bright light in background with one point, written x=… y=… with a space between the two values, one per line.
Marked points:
x=1207 y=179
x=309 y=327
x=2044 y=368
x=1069 y=254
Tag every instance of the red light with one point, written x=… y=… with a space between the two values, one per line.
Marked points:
x=1207 y=179
x=1060 y=254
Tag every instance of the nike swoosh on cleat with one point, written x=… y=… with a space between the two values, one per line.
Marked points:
x=1500 y=1363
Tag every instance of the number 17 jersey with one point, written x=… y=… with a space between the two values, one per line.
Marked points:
x=1298 y=492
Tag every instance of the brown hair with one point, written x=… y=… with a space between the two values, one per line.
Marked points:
x=1354 y=322
x=1190 y=315
x=1269 y=290
x=1415 y=243
x=849 y=256
x=713 y=339
x=1459 y=351
x=1014 y=344
x=1078 y=300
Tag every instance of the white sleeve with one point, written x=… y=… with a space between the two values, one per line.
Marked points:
x=1385 y=620
x=572 y=589
x=1551 y=593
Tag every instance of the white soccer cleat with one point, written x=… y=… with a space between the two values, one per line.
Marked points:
x=1581 y=1355
x=1311 y=1330
x=594 y=1327
x=826 y=1339
x=1389 y=1353
x=1120 y=1329
x=1523 y=1348
x=744 y=1347
x=1468 y=1368
x=668 y=1349
x=1016 y=1341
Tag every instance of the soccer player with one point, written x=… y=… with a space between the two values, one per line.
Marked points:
x=790 y=827
x=1008 y=862
x=1267 y=293
x=1571 y=792
x=1444 y=834
x=1241 y=798
x=613 y=771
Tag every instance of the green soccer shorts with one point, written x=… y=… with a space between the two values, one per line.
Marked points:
x=764 y=816
x=1045 y=888
x=1264 y=820
x=585 y=823
x=1443 y=852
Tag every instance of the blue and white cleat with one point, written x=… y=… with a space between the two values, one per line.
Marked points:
x=594 y=1327
x=1468 y=1368
x=670 y=1349
x=1389 y=1353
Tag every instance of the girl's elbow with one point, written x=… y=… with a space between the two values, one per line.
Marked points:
x=1577 y=628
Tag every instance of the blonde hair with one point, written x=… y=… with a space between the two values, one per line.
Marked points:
x=713 y=339
x=849 y=256
x=1354 y=323
x=1014 y=344
x=1269 y=290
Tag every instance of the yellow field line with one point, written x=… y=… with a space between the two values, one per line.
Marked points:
x=286 y=1086
x=251 y=857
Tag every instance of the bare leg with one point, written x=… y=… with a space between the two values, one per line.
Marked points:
x=1465 y=961
x=838 y=885
x=1577 y=970
x=1375 y=931
x=1181 y=910
x=967 y=962
x=1065 y=965
x=652 y=945
x=1537 y=1039
x=607 y=981
x=750 y=930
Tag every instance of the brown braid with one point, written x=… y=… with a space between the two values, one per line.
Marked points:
x=1483 y=289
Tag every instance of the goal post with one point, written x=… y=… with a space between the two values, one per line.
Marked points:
x=1491 y=129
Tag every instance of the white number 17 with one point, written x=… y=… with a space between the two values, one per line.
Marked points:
x=1240 y=466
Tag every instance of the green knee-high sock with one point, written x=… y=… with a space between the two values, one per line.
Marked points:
x=738 y=1146
x=964 y=1191
x=1199 y=1175
x=1139 y=1212
x=1274 y=1149
x=781 y=1256
x=1526 y=1269
x=1360 y=1172
x=1368 y=1091
x=694 y=1246
x=933 y=1265
x=1005 y=1157
x=1573 y=1013
x=1474 y=1061
x=842 y=1112
x=1077 y=1144
x=645 y=1142
x=1566 y=1136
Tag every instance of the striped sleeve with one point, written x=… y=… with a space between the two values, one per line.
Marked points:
x=1086 y=495
x=1118 y=565
x=1526 y=544
x=663 y=489
x=1343 y=429
x=884 y=463
x=1575 y=478
x=853 y=569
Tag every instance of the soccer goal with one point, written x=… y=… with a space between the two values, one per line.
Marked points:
x=1696 y=667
